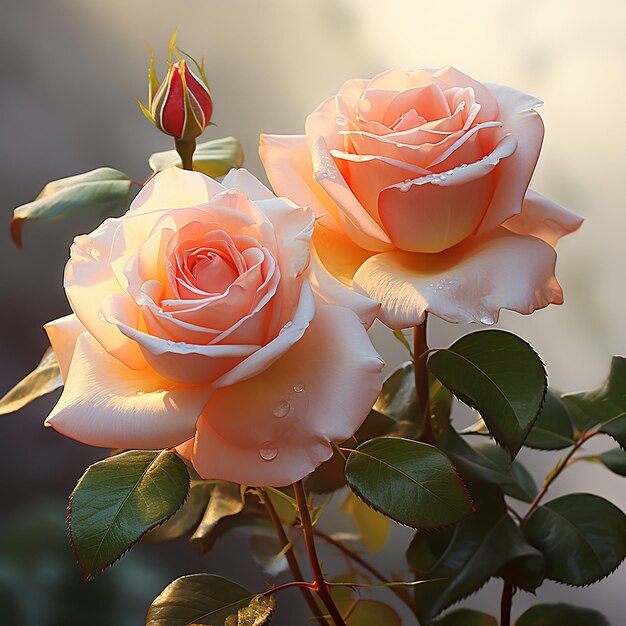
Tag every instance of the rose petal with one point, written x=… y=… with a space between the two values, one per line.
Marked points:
x=468 y=283
x=174 y=188
x=244 y=181
x=331 y=291
x=356 y=222
x=281 y=422
x=543 y=218
x=63 y=333
x=436 y=212
x=287 y=162
x=88 y=280
x=512 y=177
x=270 y=352
x=104 y=403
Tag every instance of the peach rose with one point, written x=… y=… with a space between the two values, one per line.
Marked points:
x=419 y=180
x=198 y=323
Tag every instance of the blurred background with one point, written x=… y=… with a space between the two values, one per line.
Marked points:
x=71 y=71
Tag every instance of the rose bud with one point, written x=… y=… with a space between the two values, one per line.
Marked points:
x=180 y=106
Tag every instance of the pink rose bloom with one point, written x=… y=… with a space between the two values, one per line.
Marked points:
x=199 y=323
x=419 y=180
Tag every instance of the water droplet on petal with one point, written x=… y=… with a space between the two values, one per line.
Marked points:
x=299 y=388
x=282 y=409
x=94 y=253
x=268 y=452
x=442 y=177
x=341 y=121
x=140 y=392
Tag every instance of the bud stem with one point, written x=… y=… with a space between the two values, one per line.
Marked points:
x=186 y=148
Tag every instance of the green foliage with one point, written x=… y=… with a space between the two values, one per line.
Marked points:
x=120 y=498
x=225 y=502
x=209 y=600
x=554 y=428
x=408 y=481
x=489 y=463
x=467 y=555
x=582 y=536
x=46 y=377
x=104 y=188
x=213 y=158
x=606 y=405
x=560 y=614
x=615 y=460
x=498 y=374
x=466 y=617
x=185 y=519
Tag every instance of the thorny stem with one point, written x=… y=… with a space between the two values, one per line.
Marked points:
x=354 y=556
x=322 y=588
x=420 y=349
x=291 y=559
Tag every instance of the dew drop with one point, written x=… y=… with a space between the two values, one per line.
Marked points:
x=282 y=409
x=405 y=186
x=341 y=121
x=299 y=388
x=268 y=452
x=140 y=392
x=442 y=177
x=94 y=253
x=324 y=174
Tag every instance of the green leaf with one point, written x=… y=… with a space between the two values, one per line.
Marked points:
x=559 y=614
x=209 y=600
x=368 y=613
x=46 y=377
x=554 y=428
x=185 y=519
x=615 y=460
x=225 y=502
x=267 y=552
x=103 y=188
x=606 y=405
x=582 y=536
x=408 y=481
x=489 y=463
x=466 y=617
x=401 y=337
x=499 y=375
x=373 y=527
x=213 y=158
x=120 y=498
x=397 y=399
x=468 y=554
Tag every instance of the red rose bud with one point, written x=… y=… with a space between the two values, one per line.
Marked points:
x=181 y=105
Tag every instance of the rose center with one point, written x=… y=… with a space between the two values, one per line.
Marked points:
x=212 y=272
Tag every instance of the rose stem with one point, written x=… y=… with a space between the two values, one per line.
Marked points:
x=323 y=590
x=506 y=603
x=420 y=346
x=185 y=149
x=291 y=558
x=351 y=554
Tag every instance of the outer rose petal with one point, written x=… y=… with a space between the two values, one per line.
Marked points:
x=88 y=280
x=104 y=403
x=331 y=291
x=323 y=387
x=287 y=162
x=512 y=177
x=175 y=188
x=244 y=181
x=543 y=218
x=468 y=283
x=63 y=333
